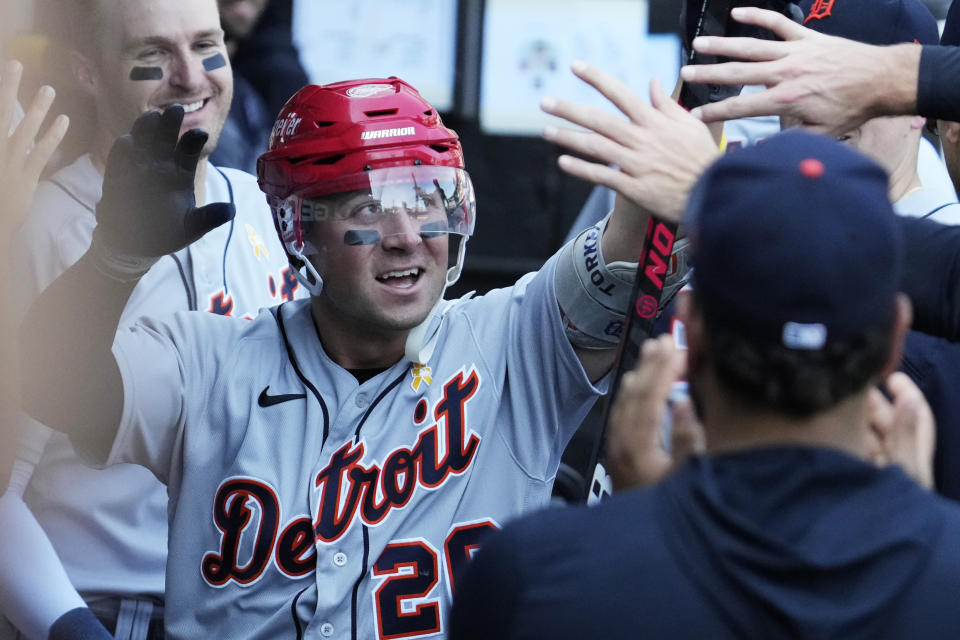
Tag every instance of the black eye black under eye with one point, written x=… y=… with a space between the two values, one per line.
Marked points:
x=146 y=73
x=214 y=62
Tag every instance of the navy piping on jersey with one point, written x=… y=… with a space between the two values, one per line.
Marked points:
x=930 y=213
x=226 y=291
x=293 y=612
x=278 y=315
x=72 y=195
x=356 y=585
x=356 y=434
x=366 y=532
x=190 y=291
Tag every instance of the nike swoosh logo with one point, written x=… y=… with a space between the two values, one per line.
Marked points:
x=266 y=400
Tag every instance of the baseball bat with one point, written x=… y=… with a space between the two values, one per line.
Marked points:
x=699 y=17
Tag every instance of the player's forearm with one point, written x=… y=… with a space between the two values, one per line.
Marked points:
x=34 y=588
x=886 y=79
x=899 y=90
x=623 y=237
x=70 y=378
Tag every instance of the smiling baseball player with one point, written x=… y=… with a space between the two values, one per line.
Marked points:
x=332 y=464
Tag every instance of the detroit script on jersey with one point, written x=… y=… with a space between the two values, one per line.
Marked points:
x=352 y=492
x=348 y=491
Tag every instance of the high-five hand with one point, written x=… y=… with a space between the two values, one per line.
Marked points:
x=659 y=148
x=149 y=208
x=23 y=155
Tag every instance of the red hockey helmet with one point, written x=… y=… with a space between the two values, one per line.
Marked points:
x=372 y=136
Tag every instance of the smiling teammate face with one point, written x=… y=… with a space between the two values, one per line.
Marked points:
x=174 y=43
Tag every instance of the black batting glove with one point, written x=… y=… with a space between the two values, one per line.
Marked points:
x=148 y=209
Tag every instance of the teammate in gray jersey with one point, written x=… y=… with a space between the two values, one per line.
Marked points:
x=109 y=528
x=334 y=463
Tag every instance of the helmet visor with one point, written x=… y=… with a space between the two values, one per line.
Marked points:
x=366 y=207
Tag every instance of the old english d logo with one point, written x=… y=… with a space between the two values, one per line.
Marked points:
x=820 y=10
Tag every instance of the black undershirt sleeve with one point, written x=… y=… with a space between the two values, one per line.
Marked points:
x=938 y=85
x=932 y=275
x=78 y=624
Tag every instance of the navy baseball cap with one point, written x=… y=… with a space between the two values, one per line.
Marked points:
x=879 y=22
x=794 y=242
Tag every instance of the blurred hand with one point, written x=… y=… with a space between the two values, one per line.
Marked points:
x=659 y=148
x=903 y=429
x=23 y=156
x=636 y=456
x=22 y=159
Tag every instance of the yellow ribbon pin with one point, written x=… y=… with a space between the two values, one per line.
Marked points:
x=421 y=375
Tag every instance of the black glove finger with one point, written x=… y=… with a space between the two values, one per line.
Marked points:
x=187 y=153
x=168 y=132
x=120 y=160
x=119 y=157
x=199 y=221
x=144 y=130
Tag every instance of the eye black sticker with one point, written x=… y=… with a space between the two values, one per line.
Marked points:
x=214 y=62
x=361 y=236
x=146 y=73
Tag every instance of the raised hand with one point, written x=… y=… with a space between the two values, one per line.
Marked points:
x=659 y=148
x=23 y=155
x=831 y=84
x=712 y=18
x=148 y=209
x=636 y=455
x=903 y=430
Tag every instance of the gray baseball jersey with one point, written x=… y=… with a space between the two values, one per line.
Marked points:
x=307 y=505
x=932 y=203
x=110 y=527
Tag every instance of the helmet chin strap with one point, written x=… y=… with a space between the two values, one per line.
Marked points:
x=310 y=280
x=419 y=347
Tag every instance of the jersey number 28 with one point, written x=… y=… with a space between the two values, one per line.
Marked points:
x=411 y=570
